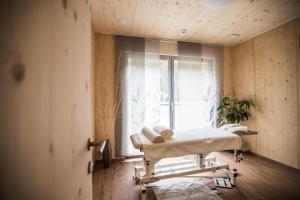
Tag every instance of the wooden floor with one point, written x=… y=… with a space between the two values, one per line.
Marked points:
x=259 y=179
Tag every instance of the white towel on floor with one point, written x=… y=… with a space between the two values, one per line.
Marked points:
x=183 y=188
x=164 y=131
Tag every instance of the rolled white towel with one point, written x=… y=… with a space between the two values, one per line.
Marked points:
x=164 y=131
x=152 y=135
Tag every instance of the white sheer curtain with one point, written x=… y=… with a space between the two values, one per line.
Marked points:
x=141 y=95
x=195 y=92
x=134 y=99
x=198 y=85
x=129 y=51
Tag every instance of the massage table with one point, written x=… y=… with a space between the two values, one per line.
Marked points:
x=198 y=142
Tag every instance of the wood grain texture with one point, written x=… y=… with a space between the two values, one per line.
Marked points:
x=298 y=85
x=104 y=88
x=265 y=70
x=276 y=94
x=244 y=82
x=259 y=179
x=166 y=18
x=228 y=70
x=45 y=101
x=93 y=60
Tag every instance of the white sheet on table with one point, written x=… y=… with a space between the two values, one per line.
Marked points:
x=196 y=141
x=183 y=188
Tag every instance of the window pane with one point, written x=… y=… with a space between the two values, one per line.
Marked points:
x=194 y=82
x=164 y=92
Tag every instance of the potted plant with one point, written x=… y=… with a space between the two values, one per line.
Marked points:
x=232 y=110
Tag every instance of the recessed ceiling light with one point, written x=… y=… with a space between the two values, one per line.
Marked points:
x=122 y=22
x=216 y=3
x=183 y=31
x=234 y=36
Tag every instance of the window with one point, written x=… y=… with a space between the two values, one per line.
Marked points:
x=177 y=92
x=187 y=90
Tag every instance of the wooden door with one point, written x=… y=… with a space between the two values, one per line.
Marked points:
x=45 y=101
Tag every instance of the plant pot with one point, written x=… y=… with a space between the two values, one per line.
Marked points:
x=107 y=154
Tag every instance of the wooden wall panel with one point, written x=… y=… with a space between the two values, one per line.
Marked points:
x=276 y=89
x=228 y=70
x=265 y=69
x=45 y=99
x=104 y=91
x=244 y=81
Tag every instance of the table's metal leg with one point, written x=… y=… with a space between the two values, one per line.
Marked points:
x=238 y=156
x=235 y=155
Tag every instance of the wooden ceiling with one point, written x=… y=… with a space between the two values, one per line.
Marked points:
x=165 y=19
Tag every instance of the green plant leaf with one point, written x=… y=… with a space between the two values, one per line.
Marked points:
x=231 y=110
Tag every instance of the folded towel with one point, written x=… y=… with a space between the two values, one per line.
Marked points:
x=163 y=131
x=233 y=128
x=152 y=135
